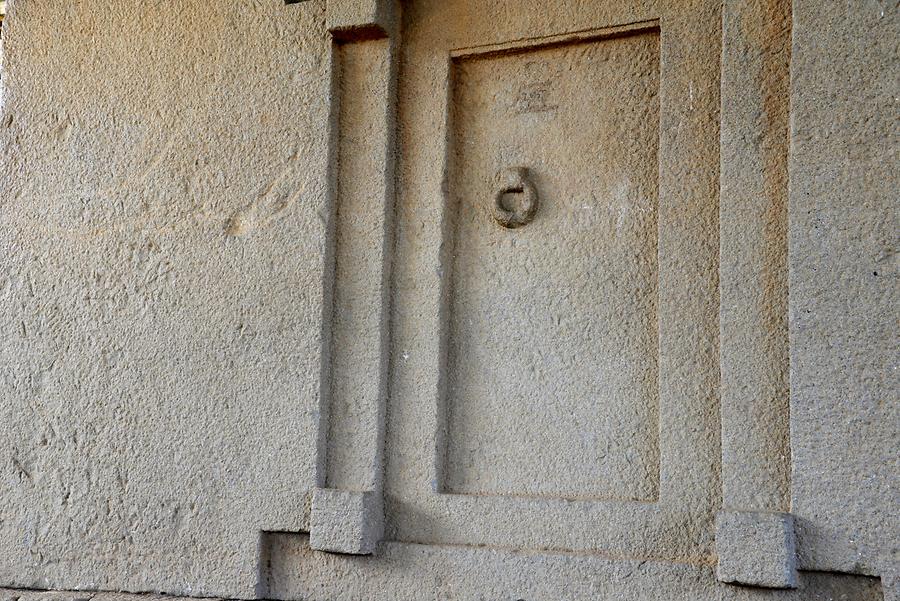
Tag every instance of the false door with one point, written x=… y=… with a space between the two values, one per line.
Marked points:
x=554 y=318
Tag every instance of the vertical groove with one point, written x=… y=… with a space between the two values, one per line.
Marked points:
x=358 y=353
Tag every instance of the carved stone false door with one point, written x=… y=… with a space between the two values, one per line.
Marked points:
x=554 y=365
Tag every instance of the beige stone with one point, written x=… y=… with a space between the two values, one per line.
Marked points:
x=362 y=18
x=844 y=295
x=162 y=193
x=405 y=571
x=753 y=249
x=346 y=522
x=756 y=548
x=488 y=443
x=553 y=326
x=445 y=299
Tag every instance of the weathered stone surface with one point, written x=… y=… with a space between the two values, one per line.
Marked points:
x=844 y=291
x=161 y=247
x=753 y=245
x=345 y=521
x=38 y=595
x=356 y=375
x=569 y=402
x=406 y=572
x=890 y=582
x=7 y=594
x=756 y=548
x=362 y=18
x=553 y=379
x=488 y=444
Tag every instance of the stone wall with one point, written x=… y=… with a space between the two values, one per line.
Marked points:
x=353 y=299
x=161 y=196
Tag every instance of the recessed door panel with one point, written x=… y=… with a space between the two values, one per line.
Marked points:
x=555 y=310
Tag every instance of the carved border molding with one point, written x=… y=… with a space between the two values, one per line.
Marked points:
x=347 y=514
x=754 y=534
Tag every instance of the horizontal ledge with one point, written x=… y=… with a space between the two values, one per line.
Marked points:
x=585 y=35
